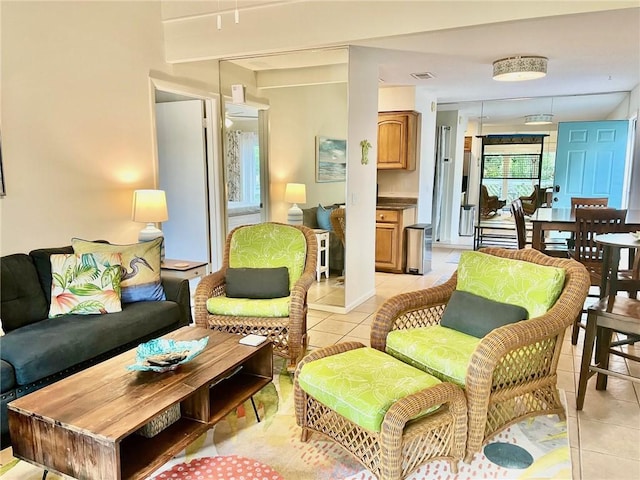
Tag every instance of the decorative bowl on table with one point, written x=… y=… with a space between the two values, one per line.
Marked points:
x=163 y=354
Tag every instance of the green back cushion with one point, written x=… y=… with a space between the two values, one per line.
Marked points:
x=269 y=245
x=529 y=285
x=437 y=350
x=477 y=316
x=257 y=282
x=362 y=384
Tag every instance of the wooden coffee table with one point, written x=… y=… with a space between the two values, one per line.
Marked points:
x=83 y=426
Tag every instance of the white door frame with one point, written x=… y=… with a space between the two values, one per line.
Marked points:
x=215 y=180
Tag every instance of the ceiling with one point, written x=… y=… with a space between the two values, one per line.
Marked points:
x=592 y=53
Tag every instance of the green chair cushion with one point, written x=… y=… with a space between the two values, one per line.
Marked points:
x=437 y=350
x=516 y=282
x=362 y=384
x=269 y=245
x=242 y=307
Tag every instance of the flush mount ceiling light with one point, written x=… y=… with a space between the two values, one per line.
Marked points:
x=538 y=119
x=516 y=69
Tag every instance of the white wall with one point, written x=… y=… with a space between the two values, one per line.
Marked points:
x=296 y=116
x=76 y=119
x=361 y=178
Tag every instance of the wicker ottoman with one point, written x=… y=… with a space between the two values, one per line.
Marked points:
x=389 y=415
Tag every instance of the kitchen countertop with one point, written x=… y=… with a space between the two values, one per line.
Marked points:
x=395 y=206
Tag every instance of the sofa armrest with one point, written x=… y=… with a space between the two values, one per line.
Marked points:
x=177 y=290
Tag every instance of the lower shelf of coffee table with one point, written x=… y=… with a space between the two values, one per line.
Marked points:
x=139 y=456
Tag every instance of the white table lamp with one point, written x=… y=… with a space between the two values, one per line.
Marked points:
x=150 y=207
x=295 y=193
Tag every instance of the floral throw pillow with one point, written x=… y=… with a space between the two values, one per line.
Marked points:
x=85 y=284
x=141 y=280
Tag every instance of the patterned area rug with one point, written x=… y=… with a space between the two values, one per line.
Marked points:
x=240 y=447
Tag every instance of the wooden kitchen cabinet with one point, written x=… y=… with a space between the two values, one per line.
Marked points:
x=397 y=140
x=390 y=238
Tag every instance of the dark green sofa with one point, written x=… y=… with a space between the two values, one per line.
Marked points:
x=37 y=351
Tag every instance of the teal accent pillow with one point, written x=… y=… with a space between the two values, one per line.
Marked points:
x=516 y=282
x=477 y=316
x=362 y=384
x=257 y=282
x=323 y=216
x=440 y=351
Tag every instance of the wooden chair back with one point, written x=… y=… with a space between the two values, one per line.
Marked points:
x=590 y=222
x=577 y=202
x=339 y=223
x=518 y=216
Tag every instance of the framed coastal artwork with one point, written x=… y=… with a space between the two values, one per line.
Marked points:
x=331 y=160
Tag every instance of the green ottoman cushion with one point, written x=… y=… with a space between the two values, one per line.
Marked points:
x=362 y=384
x=437 y=350
x=529 y=285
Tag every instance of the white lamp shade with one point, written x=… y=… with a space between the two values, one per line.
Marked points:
x=149 y=206
x=295 y=193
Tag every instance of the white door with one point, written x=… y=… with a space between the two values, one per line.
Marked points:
x=182 y=171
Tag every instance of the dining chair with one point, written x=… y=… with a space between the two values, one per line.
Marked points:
x=611 y=314
x=581 y=202
x=517 y=211
x=591 y=222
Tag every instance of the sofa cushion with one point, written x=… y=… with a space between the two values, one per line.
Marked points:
x=362 y=384
x=85 y=284
x=477 y=316
x=257 y=282
x=437 y=350
x=55 y=344
x=141 y=280
x=7 y=377
x=42 y=261
x=23 y=300
x=516 y=282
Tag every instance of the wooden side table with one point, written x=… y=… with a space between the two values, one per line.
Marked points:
x=322 y=264
x=184 y=269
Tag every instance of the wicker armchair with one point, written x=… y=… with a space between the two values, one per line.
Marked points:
x=531 y=202
x=512 y=372
x=489 y=204
x=287 y=333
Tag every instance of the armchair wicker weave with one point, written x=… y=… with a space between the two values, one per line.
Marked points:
x=511 y=371
x=282 y=320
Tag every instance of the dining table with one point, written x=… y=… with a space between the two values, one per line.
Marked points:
x=564 y=220
x=613 y=244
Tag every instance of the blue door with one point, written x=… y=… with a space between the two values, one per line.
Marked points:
x=590 y=161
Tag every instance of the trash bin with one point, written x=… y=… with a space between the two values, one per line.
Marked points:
x=467 y=219
x=419 y=240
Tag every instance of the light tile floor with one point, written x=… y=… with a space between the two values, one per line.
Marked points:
x=604 y=436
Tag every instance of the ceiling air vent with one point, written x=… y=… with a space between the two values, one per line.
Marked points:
x=423 y=75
